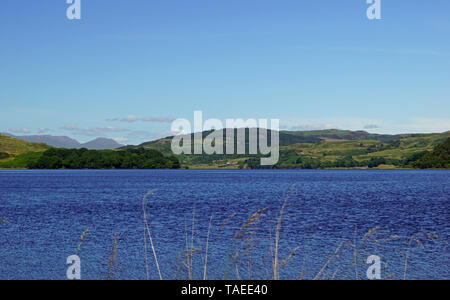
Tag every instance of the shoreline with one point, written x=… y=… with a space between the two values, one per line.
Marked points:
x=229 y=169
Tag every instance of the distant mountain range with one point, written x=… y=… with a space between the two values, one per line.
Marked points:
x=67 y=142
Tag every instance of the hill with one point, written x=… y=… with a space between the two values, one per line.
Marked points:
x=336 y=134
x=101 y=144
x=11 y=147
x=69 y=143
x=323 y=149
x=15 y=153
x=439 y=158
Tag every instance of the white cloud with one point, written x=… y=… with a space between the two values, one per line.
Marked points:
x=371 y=126
x=393 y=51
x=70 y=127
x=158 y=120
x=121 y=139
x=43 y=130
x=412 y=125
x=20 y=130
x=130 y=118
x=307 y=127
x=95 y=131
x=427 y=125
x=134 y=118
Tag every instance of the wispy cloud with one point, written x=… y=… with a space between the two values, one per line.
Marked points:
x=144 y=136
x=43 y=130
x=20 y=130
x=134 y=118
x=412 y=125
x=371 y=126
x=306 y=127
x=95 y=131
x=158 y=120
x=121 y=139
x=428 y=125
x=393 y=51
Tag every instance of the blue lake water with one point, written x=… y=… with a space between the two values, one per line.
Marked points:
x=47 y=212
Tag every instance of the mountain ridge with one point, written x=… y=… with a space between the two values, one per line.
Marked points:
x=67 y=142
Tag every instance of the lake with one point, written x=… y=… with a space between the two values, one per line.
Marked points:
x=408 y=212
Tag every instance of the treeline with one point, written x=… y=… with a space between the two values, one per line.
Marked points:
x=305 y=162
x=439 y=158
x=103 y=159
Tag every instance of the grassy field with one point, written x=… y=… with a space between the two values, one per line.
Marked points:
x=15 y=153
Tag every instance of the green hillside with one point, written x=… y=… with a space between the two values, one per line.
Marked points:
x=324 y=149
x=15 y=147
x=15 y=153
x=336 y=134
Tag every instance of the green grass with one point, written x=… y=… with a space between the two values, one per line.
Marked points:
x=16 y=154
x=15 y=147
x=21 y=161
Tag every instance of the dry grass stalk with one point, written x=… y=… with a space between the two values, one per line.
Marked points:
x=228 y=219
x=112 y=264
x=302 y=276
x=183 y=260
x=147 y=229
x=369 y=234
x=355 y=255
x=406 y=257
x=186 y=260
x=335 y=273
x=335 y=254
x=389 y=277
x=285 y=261
x=205 y=277
x=277 y=234
x=85 y=233
x=192 y=244
x=244 y=236
x=235 y=259
x=146 y=254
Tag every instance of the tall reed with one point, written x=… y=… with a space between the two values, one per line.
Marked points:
x=112 y=263
x=147 y=230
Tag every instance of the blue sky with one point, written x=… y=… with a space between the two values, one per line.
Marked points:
x=313 y=64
